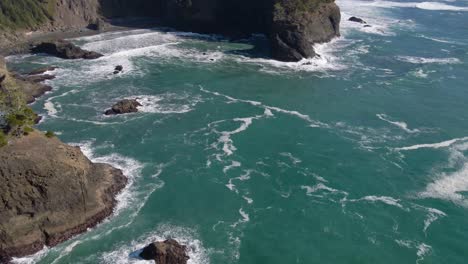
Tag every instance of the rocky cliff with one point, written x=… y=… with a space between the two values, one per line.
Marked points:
x=49 y=192
x=292 y=25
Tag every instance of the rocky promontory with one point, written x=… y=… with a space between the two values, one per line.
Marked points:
x=49 y=191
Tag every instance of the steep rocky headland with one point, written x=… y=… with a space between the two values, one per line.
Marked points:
x=49 y=191
x=291 y=25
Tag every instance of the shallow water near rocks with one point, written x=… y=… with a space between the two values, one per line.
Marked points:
x=359 y=156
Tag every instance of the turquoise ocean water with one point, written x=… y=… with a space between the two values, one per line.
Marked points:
x=359 y=156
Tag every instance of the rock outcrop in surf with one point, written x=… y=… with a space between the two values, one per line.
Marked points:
x=65 y=50
x=165 y=252
x=124 y=106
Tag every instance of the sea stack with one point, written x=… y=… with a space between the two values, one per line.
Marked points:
x=297 y=26
x=165 y=252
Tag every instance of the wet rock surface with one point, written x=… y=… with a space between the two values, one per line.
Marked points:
x=124 y=107
x=165 y=252
x=65 y=50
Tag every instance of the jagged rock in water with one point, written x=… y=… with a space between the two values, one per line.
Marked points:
x=42 y=70
x=357 y=20
x=167 y=252
x=65 y=50
x=49 y=192
x=123 y=107
x=118 y=69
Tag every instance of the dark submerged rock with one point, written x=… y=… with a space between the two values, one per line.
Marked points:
x=65 y=50
x=167 y=252
x=42 y=70
x=118 y=69
x=357 y=20
x=123 y=107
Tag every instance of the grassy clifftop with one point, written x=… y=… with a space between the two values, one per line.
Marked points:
x=24 y=14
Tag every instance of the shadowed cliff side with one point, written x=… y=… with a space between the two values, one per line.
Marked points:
x=293 y=26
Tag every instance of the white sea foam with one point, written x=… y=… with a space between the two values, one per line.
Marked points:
x=383 y=199
x=443 y=144
x=399 y=124
x=421 y=60
x=326 y=62
x=167 y=103
x=434 y=6
x=318 y=187
x=293 y=159
x=423 y=250
x=248 y=199
x=233 y=165
x=244 y=218
x=432 y=216
x=131 y=169
x=128 y=253
x=268 y=109
x=420 y=73
x=32 y=259
x=50 y=107
x=449 y=186
x=438 y=40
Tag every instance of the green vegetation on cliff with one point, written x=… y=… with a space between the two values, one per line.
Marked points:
x=23 y=14
x=16 y=117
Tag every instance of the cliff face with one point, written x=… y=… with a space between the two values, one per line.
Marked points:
x=298 y=24
x=292 y=25
x=49 y=192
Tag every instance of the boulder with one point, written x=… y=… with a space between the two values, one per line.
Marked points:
x=167 y=252
x=65 y=50
x=50 y=192
x=118 y=69
x=296 y=27
x=357 y=20
x=36 y=78
x=123 y=107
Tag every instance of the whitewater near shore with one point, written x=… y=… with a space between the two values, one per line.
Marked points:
x=357 y=155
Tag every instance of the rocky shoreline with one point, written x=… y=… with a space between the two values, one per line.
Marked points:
x=49 y=191
x=292 y=26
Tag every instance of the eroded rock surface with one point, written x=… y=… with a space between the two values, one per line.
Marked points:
x=65 y=50
x=50 y=191
x=165 y=252
x=124 y=107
